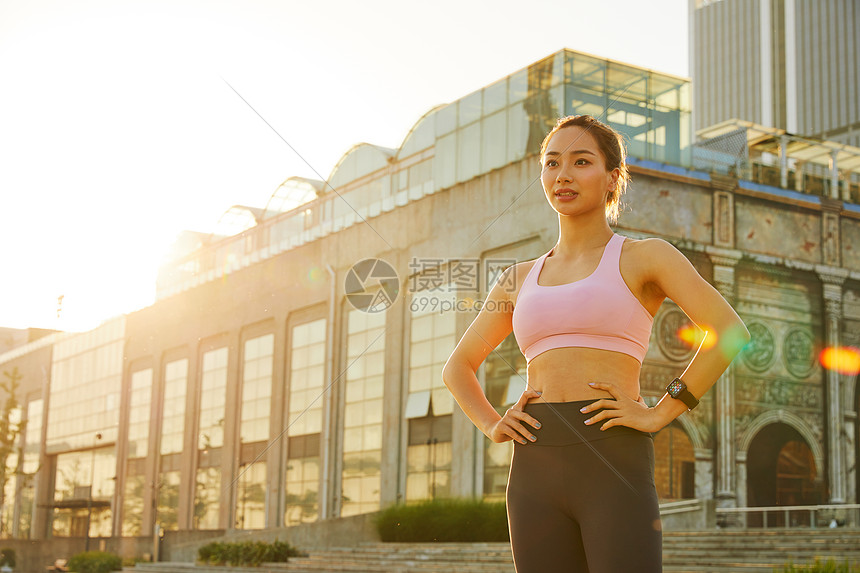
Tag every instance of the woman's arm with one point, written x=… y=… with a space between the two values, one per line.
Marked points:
x=488 y=330
x=671 y=275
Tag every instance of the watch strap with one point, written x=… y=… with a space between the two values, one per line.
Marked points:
x=677 y=389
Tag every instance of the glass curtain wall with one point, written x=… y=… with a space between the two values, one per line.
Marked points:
x=652 y=110
x=29 y=467
x=307 y=382
x=429 y=403
x=86 y=381
x=210 y=439
x=140 y=406
x=254 y=431
x=362 y=425
x=170 y=448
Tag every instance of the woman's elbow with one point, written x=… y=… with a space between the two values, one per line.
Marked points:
x=735 y=337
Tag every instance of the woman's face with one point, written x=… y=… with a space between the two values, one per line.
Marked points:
x=573 y=173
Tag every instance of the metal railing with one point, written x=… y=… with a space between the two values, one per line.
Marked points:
x=787 y=516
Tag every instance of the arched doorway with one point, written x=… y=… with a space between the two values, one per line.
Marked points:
x=781 y=471
x=674 y=464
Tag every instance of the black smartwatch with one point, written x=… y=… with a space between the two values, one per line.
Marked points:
x=678 y=390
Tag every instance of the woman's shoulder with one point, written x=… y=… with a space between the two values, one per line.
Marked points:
x=513 y=276
x=648 y=247
x=650 y=255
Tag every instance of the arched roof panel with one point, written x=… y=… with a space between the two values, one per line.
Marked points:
x=292 y=193
x=422 y=135
x=360 y=160
x=237 y=219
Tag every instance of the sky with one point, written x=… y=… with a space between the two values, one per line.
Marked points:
x=120 y=123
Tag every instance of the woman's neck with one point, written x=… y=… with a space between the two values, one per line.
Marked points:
x=576 y=236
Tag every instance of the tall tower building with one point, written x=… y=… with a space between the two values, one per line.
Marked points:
x=789 y=64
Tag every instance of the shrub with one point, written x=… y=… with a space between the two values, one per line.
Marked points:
x=444 y=520
x=251 y=553
x=95 y=562
x=7 y=557
x=818 y=566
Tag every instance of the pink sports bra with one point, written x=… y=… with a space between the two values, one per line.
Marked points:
x=598 y=311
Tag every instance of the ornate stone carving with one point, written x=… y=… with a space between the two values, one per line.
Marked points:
x=830 y=236
x=669 y=324
x=759 y=394
x=798 y=352
x=759 y=353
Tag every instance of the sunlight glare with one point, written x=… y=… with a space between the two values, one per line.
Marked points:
x=842 y=359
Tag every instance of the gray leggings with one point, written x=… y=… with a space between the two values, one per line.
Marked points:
x=580 y=499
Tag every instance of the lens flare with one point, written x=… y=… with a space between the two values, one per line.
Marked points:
x=315 y=275
x=842 y=359
x=692 y=336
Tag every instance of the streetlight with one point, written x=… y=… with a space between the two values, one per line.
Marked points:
x=92 y=483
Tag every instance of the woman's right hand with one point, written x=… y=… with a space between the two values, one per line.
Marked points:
x=512 y=426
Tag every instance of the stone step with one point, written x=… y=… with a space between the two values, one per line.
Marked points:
x=727 y=551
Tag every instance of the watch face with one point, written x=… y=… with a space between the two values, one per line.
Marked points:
x=675 y=387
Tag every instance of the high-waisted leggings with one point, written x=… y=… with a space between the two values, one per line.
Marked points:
x=583 y=500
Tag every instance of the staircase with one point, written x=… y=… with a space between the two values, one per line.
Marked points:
x=721 y=551
x=748 y=550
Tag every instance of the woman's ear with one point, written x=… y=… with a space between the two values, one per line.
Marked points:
x=613 y=179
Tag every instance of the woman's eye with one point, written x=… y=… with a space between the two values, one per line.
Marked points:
x=551 y=163
x=581 y=162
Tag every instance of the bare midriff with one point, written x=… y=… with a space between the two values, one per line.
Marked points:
x=563 y=374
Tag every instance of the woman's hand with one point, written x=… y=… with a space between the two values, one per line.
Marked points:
x=623 y=411
x=511 y=426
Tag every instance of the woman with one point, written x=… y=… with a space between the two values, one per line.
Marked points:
x=581 y=493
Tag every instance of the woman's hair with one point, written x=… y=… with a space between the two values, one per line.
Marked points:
x=611 y=144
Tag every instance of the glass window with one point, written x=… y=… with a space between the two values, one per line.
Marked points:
x=251 y=496
x=470 y=108
x=83 y=488
x=207 y=498
x=627 y=82
x=586 y=71
x=213 y=388
x=505 y=374
x=307 y=381
x=173 y=409
x=432 y=337
x=33 y=439
x=307 y=378
x=518 y=86
x=140 y=406
x=362 y=441
x=495 y=96
x=303 y=475
x=167 y=508
x=445 y=161
x=422 y=136
x=518 y=130
x=257 y=388
x=86 y=379
x=493 y=141
x=132 y=506
x=469 y=152
x=446 y=119
x=428 y=458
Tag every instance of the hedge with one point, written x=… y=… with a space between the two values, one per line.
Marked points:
x=251 y=553
x=818 y=566
x=94 y=562
x=444 y=520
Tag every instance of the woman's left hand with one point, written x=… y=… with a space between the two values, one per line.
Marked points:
x=623 y=411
